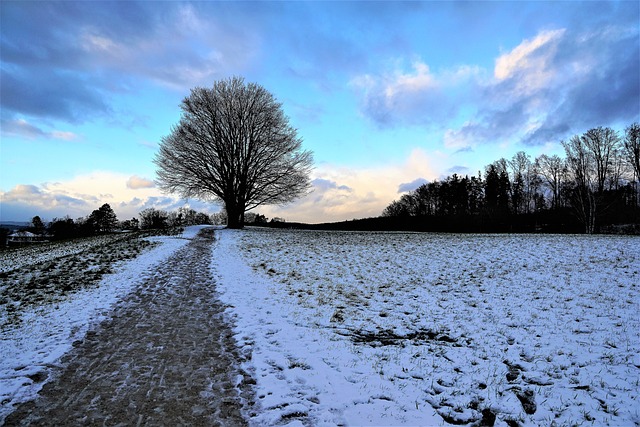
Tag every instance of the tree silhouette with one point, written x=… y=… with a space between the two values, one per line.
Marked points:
x=152 y=218
x=593 y=187
x=37 y=225
x=234 y=144
x=103 y=219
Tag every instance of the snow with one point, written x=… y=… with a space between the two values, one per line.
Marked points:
x=28 y=350
x=400 y=328
x=359 y=328
x=16 y=258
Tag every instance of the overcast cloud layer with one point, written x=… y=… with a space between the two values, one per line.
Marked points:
x=387 y=94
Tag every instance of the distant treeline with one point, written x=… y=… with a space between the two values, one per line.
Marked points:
x=594 y=188
x=104 y=220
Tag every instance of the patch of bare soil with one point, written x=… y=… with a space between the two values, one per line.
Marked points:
x=166 y=357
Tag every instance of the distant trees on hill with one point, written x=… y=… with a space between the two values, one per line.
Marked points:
x=104 y=220
x=593 y=186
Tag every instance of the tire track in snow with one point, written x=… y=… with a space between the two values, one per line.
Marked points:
x=166 y=357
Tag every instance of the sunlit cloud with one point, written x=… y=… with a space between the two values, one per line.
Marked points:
x=417 y=96
x=341 y=193
x=126 y=194
x=338 y=193
x=544 y=88
x=532 y=55
x=135 y=182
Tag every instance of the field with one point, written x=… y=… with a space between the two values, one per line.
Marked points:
x=50 y=295
x=393 y=328
x=44 y=274
x=341 y=328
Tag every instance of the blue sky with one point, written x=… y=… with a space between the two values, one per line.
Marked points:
x=386 y=94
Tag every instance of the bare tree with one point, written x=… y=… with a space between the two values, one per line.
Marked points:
x=632 y=151
x=603 y=144
x=234 y=144
x=552 y=169
x=523 y=182
x=593 y=160
x=581 y=165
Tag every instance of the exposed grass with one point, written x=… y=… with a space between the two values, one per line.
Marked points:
x=45 y=274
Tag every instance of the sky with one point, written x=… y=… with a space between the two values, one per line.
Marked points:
x=387 y=95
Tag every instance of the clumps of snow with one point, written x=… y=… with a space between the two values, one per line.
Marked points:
x=13 y=259
x=29 y=349
x=357 y=328
x=50 y=281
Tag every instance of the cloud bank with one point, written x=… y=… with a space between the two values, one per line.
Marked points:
x=82 y=54
x=340 y=193
x=78 y=197
x=542 y=90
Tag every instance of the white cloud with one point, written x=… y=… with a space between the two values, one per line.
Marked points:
x=420 y=79
x=406 y=187
x=79 y=196
x=419 y=95
x=532 y=66
x=135 y=182
x=547 y=87
x=96 y=43
x=528 y=55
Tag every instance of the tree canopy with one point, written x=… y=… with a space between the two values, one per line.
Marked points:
x=234 y=144
x=103 y=219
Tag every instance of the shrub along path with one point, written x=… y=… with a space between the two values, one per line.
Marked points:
x=166 y=357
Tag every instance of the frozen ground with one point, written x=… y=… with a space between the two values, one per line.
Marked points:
x=33 y=337
x=392 y=328
x=416 y=329
x=165 y=356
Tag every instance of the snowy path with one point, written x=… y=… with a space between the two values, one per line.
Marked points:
x=166 y=357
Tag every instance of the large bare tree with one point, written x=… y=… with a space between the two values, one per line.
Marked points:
x=603 y=145
x=553 y=170
x=594 y=161
x=234 y=144
x=581 y=165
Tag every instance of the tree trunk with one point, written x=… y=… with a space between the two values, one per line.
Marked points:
x=235 y=216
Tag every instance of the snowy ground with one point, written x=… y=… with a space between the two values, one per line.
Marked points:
x=34 y=337
x=415 y=329
x=394 y=328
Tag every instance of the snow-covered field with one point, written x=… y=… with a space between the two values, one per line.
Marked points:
x=14 y=259
x=34 y=337
x=395 y=328
x=415 y=329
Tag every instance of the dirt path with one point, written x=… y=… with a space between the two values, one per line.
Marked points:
x=166 y=357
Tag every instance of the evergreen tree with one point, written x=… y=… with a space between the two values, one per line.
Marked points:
x=103 y=220
x=37 y=225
